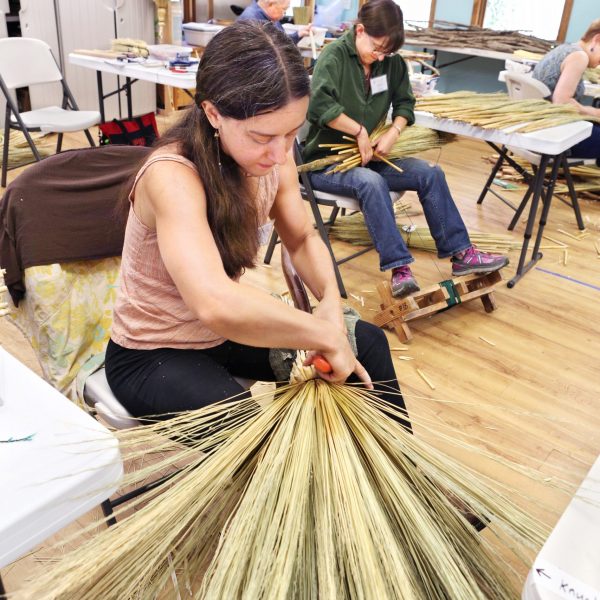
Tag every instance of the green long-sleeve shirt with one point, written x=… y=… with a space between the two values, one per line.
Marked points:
x=338 y=86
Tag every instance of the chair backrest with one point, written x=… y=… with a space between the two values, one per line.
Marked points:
x=62 y=224
x=522 y=86
x=27 y=61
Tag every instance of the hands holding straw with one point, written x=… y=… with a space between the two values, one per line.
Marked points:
x=413 y=140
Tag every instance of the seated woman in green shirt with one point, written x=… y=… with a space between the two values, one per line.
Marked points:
x=356 y=80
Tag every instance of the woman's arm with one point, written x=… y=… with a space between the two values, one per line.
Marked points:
x=572 y=70
x=174 y=196
x=307 y=251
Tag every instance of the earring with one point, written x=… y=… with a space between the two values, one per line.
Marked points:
x=216 y=136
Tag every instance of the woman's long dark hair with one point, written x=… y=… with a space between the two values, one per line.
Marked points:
x=247 y=69
x=383 y=18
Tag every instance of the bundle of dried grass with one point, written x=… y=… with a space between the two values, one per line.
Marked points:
x=413 y=140
x=19 y=152
x=458 y=35
x=586 y=178
x=353 y=229
x=498 y=111
x=592 y=75
x=321 y=493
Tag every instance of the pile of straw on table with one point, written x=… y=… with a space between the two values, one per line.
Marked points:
x=353 y=229
x=592 y=75
x=318 y=493
x=445 y=33
x=412 y=140
x=498 y=111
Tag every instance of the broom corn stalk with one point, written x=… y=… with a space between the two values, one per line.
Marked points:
x=412 y=140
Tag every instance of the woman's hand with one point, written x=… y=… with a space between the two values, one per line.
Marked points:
x=364 y=146
x=342 y=359
x=385 y=142
x=304 y=31
x=342 y=363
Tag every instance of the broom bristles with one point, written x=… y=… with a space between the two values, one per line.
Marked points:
x=318 y=494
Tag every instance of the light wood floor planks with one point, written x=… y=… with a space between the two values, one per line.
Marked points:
x=534 y=395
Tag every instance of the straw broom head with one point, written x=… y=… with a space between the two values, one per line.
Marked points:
x=318 y=494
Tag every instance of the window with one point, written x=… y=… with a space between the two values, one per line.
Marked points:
x=547 y=19
x=540 y=18
x=416 y=11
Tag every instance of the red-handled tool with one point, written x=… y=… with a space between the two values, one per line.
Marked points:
x=321 y=364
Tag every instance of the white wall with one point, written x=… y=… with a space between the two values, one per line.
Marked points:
x=85 y=24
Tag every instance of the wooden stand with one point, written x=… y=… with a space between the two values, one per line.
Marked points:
x=395 y=313
x=171 y=98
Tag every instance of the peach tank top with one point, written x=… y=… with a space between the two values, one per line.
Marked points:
x=149 y=312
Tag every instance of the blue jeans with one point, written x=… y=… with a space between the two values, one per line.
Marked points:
x=371 y=186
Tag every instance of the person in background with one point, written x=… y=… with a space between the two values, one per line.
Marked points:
x=184 y=324
x=562 y=70
x=274 y=11
x=355 y=81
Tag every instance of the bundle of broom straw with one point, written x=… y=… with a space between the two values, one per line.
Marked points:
x=19 y=151
x=413 y=140
x=353 y=229
x=592 y=75
x=316 y=492
x=586 y=178
x=498 y=111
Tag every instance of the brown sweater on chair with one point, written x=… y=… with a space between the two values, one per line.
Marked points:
x=67 y=207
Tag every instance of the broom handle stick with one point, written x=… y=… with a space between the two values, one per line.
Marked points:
x=387 y=162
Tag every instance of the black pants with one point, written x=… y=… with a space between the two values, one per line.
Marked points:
x=167 y=380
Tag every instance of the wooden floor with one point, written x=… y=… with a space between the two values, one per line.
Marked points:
x=529 y=390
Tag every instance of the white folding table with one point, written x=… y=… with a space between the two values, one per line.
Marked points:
x=132 y=72
x=551 y=143
x=568 y=566
x=56 y=461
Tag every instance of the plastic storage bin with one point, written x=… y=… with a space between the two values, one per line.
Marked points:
x=199 y=34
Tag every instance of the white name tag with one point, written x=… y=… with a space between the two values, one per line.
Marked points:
x=379 y=84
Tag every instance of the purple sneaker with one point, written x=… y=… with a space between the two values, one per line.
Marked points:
x=403 y=282
x=475 y=261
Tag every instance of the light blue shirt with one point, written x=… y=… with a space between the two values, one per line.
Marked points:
x=255 y=13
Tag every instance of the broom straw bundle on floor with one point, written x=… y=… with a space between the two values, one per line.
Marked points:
x=498 y=111
x=19 y=152
x=413 y=140
x=353 y=229
x=586 y=177
x=318 y=493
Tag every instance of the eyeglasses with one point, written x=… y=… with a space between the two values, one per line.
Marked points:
x=377 y=51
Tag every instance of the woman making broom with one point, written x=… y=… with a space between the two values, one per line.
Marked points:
x=562 y=70
x=184 y=325
x=356 y=80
